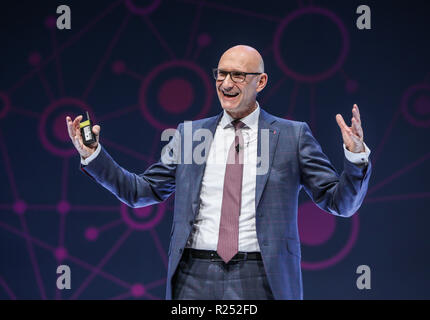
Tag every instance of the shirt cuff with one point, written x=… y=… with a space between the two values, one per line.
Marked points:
x=87 y=161
x=357 y=158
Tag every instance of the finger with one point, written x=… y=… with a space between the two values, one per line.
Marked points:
x=96 y=130
x=345 y=130
x=342 y=123
x=70 y=127
x=76 y=123
x=356 y=113
x=356 y=128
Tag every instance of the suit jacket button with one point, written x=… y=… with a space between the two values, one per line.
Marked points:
x=191 y=222
x=180 y=250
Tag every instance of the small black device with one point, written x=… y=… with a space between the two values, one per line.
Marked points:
x=87 y=134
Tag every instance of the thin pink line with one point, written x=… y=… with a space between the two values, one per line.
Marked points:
x=106 y=56
x=61 y=231
x=57 y=61
x=194 y=29
x=398 y=197
x=33 y=259
x=343 y=74
x=46 y=86
x=122 y=296
x=67 y=44
x=159 y=247
x=8 y=167
x=118 y=113
x=105 y=259
x=155 y=284
x=24 y=112
x=7 y=289
x=99 y=272
x=158 y=36
x=150 y=296
x=64 y=178
x=197 y=52
x=110 y=225
x=94 y=208
x=273 y=89
x=125 y=150
x=27 y=237
x=386 y=135
x=234 y=10
x=133 y=74
x=398 y=173
x=57 y=294
x=73 y=259
x=42 y=207
x=21 y=81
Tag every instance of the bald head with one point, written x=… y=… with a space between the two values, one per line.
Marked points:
x=245 y=58
x=238 y=93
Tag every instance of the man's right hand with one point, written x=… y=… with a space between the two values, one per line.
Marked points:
x=75 y=135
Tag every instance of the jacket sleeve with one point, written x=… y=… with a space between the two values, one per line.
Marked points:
x=155 y=185
x=340 y=195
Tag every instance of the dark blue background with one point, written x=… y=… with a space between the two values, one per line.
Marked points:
x=384 y=62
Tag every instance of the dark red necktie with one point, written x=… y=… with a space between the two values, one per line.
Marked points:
x=228 y=237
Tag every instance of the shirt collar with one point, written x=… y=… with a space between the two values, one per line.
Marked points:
x=250 y=121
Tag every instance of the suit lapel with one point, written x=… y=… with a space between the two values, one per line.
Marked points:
x=199 y=169
x=265 y=122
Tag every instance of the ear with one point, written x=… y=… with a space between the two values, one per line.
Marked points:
x=262 y=82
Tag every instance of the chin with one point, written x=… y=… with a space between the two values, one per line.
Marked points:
x=228 y=106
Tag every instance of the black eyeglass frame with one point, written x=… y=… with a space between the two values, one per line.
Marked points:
x=215 y=74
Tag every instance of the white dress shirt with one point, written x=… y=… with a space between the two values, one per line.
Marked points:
x=204 y=235
x=206 y=225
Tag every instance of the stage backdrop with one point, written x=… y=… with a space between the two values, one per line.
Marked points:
x=139 y=67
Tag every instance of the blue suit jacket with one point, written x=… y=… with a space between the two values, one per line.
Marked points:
x=295 y=161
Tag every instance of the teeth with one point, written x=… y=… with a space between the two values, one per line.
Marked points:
x=230 y=94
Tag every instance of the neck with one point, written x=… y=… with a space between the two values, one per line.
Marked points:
x=244 y=113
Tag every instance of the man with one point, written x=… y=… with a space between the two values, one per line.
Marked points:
x=234 y=233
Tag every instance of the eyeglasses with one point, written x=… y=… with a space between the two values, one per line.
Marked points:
x=235 y=76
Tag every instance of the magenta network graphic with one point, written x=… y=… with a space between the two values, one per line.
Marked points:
x=175 y=85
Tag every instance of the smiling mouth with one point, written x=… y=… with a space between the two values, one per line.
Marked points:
x=230 y=95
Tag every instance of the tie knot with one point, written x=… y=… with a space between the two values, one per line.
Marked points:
x=237 y=124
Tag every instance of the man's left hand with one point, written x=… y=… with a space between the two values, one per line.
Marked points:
x=352 y=136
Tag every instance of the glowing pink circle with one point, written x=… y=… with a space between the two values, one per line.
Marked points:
x=91 y=234
x=176 y=95
x=138 y=290
x=165 y=66
x=315 y=77
x=161 y=208
x=405 y=108
x=341 y=254
x=316 y=226
x=62 y=152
